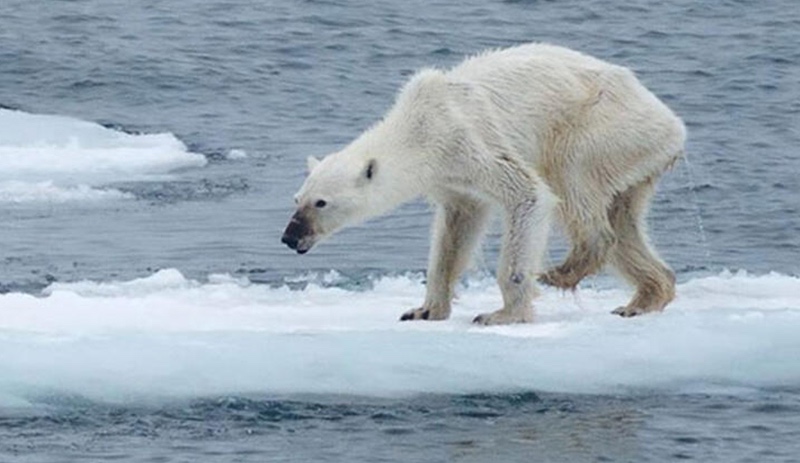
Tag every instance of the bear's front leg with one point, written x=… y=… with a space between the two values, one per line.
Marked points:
x=458 y=226
x=524 y=244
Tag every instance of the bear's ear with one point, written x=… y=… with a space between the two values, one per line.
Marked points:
x=311 y=163
x=369 y=172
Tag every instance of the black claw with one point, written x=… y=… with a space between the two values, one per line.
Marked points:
x=426 y=314
x=478 y=319
x=623 y=313
x=407 y=316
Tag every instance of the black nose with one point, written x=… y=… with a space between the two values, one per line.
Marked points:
x=290 y=241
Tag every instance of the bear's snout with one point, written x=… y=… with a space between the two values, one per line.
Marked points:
x=290 y=241
x=297 y=233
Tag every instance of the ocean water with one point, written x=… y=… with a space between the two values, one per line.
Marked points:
x=149 y=152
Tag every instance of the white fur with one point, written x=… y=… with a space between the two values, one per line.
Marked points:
x=537 y=130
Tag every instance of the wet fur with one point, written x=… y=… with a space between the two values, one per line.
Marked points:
x=540 y=132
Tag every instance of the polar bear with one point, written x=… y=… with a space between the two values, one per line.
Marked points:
x=539 y=131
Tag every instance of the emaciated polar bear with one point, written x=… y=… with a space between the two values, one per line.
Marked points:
x=538 y=130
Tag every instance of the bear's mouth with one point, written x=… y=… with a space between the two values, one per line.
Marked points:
x=305 y=244
x=302 y=245
x=299 y=245
x=299 y=233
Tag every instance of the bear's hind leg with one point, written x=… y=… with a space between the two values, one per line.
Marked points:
x=592 y=241
x=634 y=258
x=458 y=226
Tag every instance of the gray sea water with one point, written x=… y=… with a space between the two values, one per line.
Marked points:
x=281 y=80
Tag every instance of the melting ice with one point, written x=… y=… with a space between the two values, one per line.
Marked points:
x=169 y=336
x=58 y=159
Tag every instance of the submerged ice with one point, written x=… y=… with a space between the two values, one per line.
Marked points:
x=166 y=335
x=57 y=158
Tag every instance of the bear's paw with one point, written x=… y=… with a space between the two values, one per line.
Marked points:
x=504 y=317
x=423 y=313
x=561 y=277
x=628 y=311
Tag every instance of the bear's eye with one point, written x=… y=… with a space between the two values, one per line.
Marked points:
x=321 y=203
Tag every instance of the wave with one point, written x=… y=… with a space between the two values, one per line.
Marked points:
x=57 y=159
x=169 y=336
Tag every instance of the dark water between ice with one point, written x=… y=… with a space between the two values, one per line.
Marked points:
x=282 y=80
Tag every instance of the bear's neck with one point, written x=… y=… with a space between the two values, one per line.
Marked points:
x=403 y=168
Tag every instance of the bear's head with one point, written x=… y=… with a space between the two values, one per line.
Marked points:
x=338 y=192
x=395 y=161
